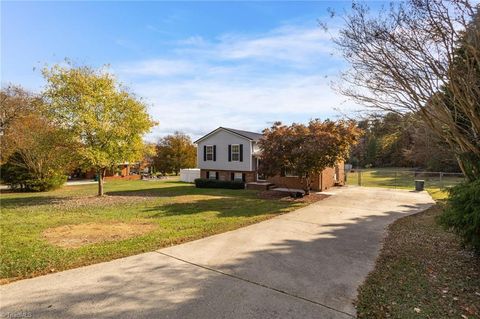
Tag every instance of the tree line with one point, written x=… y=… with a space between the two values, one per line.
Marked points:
x=394 y=140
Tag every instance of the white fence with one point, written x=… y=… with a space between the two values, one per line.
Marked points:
x=189 y=174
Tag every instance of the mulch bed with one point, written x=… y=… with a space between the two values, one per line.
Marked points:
x=285 y=196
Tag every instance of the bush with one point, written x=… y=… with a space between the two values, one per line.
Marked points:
x=19 y=178
x=45 y=183
x=213 y=183
x=462 y=214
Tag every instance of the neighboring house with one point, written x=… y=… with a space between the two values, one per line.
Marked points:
x=231 y=154
x=124 y=171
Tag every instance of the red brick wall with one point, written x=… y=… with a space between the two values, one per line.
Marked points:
x=227 y=175
x=294 y=182
x=320 y=182
x=328 y=176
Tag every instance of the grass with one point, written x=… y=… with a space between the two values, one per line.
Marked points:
x=178 y=211
x=403 y=179
x=422 y=272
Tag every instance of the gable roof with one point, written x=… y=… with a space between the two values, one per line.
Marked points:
x=252 y=136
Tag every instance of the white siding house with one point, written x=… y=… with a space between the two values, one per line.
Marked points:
x=230 y=154
x=227 y=153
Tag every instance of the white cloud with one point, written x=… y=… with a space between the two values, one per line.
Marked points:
x=242 y=81
x=157 y=67
x=292 y=44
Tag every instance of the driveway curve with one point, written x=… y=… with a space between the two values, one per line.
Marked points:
x=304 y=264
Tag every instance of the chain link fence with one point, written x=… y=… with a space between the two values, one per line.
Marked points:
x=401 y=178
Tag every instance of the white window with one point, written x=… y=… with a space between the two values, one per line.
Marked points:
x=209 y=152
x=237 y=176
x=235 y=153
x=212 y=175
x=290 y=173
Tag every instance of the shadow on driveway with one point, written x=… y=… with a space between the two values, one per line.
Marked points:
x=312 y=273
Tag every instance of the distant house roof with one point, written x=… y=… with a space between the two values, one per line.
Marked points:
x=253 y=136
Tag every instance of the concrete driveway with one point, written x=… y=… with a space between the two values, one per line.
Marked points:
x=305 y=264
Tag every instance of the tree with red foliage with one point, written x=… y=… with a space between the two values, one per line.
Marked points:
x=306 y=149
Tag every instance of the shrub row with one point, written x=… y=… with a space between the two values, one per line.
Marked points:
x=213 y=183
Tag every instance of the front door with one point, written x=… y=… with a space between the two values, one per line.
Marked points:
x=260 y=177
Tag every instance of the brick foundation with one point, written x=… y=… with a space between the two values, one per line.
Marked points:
x=319 y=182
x=227 y=175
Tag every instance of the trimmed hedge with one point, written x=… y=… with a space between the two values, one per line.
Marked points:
x=213 y=183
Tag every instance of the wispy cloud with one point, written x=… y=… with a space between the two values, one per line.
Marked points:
x=288 y=44
x=157 y=68
x=239 y=80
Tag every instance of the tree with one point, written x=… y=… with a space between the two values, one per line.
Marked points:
x=103 y=118
x=41 y=155
x=421 y=57
x=306 y=149
x=15 y=104
x=175 y=152
x=35 y=153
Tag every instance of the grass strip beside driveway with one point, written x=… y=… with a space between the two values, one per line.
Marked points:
x=422 y=272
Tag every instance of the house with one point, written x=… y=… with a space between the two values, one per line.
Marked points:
x=123 y=171
x=231 y=154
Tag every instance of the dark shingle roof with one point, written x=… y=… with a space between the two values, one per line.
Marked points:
x=250 y=135
x=253 y=136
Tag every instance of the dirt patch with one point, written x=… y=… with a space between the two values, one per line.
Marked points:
x=312 y=198
x=271 y=194
x=104 y=201
x=185 y=199
x=74 y=236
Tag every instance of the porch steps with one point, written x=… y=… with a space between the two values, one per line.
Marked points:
x=260 y=186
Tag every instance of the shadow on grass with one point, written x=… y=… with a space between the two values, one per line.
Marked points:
x=312 y=272
x=223 y=206
x=181 y=190
x=155 y=192
x=27 y=201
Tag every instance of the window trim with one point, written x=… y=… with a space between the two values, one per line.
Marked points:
x=238 y=179
x=207 y=153
x=237 y=153
x=289 y=173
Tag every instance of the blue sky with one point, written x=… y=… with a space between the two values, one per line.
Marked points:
x=198 y=65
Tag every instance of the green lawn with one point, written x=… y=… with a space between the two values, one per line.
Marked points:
x=422 y=272
x=402 y=178
x=178 y=211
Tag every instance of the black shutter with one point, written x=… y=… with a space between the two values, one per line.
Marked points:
x=208 y=174
x=205 y=153
x=241 y=152
x=243 y=177
x=216 y=175
x=232 y=176
x=229 y=152
x=214 y=153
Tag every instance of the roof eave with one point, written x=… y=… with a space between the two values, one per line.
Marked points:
x=222 y=128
